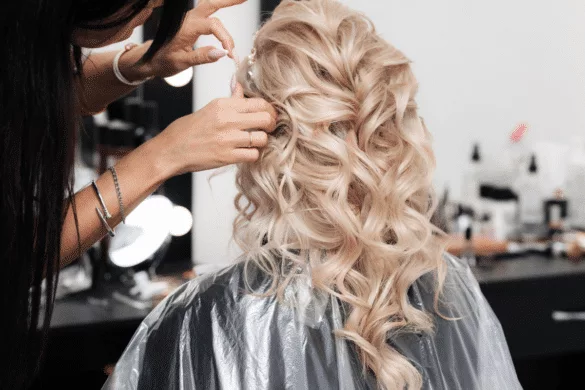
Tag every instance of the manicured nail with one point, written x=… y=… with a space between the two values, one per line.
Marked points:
x=216 y=54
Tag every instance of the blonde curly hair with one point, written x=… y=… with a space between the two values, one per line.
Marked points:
x=345 y=183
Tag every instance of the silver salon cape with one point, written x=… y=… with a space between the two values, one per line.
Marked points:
x=211 y=333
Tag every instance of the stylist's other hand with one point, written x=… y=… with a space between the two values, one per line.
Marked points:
x=216 y=135
x=178 y=54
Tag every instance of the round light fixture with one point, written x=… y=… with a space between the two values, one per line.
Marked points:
x=181 y=221
x=180 y=79
x=146 y=230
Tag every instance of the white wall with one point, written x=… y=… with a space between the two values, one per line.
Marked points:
x=213 y=209
x=483 y=67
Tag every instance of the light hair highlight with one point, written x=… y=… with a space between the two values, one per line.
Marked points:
x=344 y=185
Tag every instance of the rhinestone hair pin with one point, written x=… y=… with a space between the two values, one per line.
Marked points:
x=250 y=60
x=252 y=57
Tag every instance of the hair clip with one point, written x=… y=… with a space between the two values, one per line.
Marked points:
x=252 y=57
x=251 y=62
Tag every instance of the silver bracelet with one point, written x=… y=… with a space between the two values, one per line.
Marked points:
x=116 y=68
x=118 y=193
x=99 y=195
x=111 y=231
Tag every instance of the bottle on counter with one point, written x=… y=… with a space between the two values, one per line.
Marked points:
x=575 y=184
x=556 y=212
x=487 y=227
x=468 y=254
x=530 y=197
x=502 y=206
x=471 y=180
x=463 y=219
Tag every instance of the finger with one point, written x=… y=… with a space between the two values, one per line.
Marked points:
x=211 y=26
x=237 y=89
x=257 y=120
x=253 y=105
x=206 y=8
x=250 y=139
x=244 y=155
x=206 y=55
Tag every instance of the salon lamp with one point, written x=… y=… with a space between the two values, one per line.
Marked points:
x=142 y=243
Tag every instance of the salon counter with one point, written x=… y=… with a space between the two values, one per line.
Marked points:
x=526 y=268
x=95 y=309
x=528 y=295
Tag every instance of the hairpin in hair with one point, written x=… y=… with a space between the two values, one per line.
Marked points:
x=252 y=58
x=251 y=62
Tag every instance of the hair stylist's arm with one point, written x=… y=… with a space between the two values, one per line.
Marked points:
x=212 y=137
x=99 y=86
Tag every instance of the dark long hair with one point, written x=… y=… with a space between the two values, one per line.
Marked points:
x=38 y=121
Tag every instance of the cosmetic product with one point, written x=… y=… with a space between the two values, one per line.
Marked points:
x=556 y=211
x=575 y=184
x=555 y=214
x=471 y=180
x=468 y=253
x=530 y=195
x=487 y=227
x=555 y=230
x=464 y=222
x=502 y=205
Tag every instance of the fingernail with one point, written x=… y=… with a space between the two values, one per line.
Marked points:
x=233 y=83
x=217 y=54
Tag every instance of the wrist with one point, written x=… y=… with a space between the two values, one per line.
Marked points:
x=154 y=152
x=132 y=68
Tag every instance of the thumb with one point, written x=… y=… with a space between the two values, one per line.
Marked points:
x=206 y=55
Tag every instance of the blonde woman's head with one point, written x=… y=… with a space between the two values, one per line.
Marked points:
x=344 y=184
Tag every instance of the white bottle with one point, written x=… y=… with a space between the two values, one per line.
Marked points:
x=575 y=184
x=487 y=226
x=471 y=181
x=500 y=227
x=530 y=194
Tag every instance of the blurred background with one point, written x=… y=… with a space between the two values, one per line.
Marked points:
x=502 y=90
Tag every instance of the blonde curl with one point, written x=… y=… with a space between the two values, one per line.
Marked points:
x=345 y=182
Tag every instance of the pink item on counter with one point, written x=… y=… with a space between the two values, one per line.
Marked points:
x=518 y=132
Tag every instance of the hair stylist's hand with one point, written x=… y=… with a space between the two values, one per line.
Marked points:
x=216 y=135
x=178 y=54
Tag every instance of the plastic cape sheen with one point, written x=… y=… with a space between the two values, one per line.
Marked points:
x=211 y=333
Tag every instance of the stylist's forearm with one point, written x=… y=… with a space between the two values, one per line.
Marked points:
x=140 y=173
x=98 y=72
